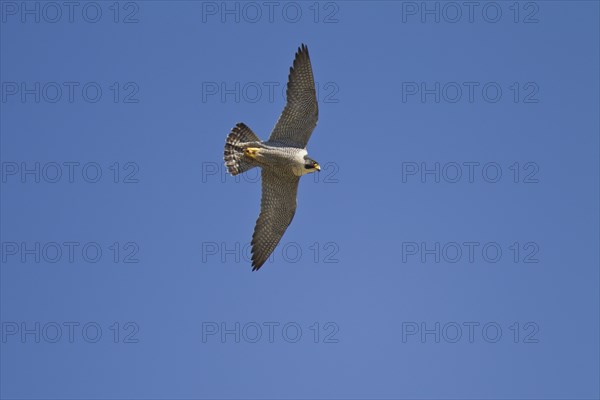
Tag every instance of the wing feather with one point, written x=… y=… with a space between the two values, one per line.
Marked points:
x=300 y=115
x=277 y=209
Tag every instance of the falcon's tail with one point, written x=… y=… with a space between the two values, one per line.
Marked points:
x=238 y=139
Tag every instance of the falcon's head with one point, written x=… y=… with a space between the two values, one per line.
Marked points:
x=311 y=165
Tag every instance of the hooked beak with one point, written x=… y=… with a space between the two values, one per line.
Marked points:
x=318 y=167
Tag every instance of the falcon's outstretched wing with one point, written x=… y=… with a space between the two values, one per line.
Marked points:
x=277 y=208
x=299 y=117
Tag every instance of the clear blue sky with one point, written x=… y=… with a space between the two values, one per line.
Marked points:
x=449 y=248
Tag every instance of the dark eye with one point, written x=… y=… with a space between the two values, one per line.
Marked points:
x=307 y=166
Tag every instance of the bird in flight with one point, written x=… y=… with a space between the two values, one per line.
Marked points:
x=283 y=158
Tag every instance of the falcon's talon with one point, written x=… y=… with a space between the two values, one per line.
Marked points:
x=283 y=158
x=251 y=152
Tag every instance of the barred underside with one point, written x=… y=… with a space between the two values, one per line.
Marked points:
x=237 y=140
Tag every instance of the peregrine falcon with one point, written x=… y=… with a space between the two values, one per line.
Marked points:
x=283 y=158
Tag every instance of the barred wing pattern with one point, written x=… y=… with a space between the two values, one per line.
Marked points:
x=299 y=117
x=277 y=209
